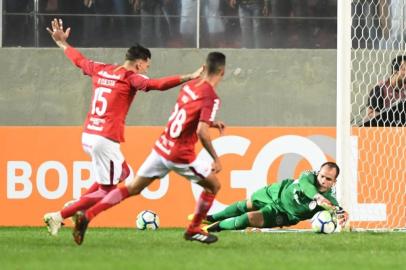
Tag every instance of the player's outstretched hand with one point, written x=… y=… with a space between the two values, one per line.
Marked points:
x=197 y=73
x=323 y=202
x=219 y=125
x=192 y=76
x=57 y=33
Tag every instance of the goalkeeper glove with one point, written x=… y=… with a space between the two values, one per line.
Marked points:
x=341 y=215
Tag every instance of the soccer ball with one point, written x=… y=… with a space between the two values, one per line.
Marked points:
x=147 y=220
x=323 y=222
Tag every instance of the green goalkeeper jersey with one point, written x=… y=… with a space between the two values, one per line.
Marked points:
x=296 y=197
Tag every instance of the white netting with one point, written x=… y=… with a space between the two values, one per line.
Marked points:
x=378 y=111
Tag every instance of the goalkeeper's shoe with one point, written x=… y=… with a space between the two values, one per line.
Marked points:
x=80 y=227
x=204 y=221
x=200 y=236
x=53 y=222
x=214 y=227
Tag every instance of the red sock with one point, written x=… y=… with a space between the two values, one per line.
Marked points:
x=92 y=188
x=203 y=206
x=113 y=198
x=87 y=200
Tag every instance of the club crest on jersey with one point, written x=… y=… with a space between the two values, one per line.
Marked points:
x=312 y=205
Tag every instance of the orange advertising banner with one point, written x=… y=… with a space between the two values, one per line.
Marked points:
x=41 y=168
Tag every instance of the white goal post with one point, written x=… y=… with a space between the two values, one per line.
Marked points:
x=371 y=148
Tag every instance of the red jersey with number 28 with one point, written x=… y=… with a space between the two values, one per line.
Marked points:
x=197 y=101
x=114 y=88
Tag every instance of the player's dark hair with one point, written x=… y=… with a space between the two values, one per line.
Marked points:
x=397 y=61
x=138 y=52
x=215 y=61
x=331 y=165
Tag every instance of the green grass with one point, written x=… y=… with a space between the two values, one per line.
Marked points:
x=33 y=248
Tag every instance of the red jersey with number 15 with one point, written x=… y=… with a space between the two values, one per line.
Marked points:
x=197 y=101
x=114 y=88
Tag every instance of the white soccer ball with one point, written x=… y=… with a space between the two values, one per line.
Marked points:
x=147 y=220
x=323 y=222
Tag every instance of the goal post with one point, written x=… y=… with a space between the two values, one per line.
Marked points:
x=343 y=100
x=371 y=151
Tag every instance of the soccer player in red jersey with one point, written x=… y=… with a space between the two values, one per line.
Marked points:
x=114 y=88
x=193 y=115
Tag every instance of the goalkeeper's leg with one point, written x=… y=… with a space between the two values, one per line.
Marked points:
x=250 y=219
x=234 y=210
x=266 y=217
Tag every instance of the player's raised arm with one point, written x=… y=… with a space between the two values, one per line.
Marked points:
x=58 y=34
x=166 y=83
x=310 y=186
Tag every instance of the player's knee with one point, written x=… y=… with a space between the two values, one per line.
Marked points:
x=138 y=184
x=256 y=219
x=216 y=187
x=213 y=188
x=242 y=206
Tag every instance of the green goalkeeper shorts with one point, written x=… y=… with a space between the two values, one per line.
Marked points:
x=273 y=215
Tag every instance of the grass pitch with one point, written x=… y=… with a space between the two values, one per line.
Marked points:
x=33 y=248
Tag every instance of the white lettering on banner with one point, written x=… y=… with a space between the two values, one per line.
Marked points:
x=224 y=145
x=160 y=192
x=23 y=179
x=256 y=178
x=62 y=180
x=20 y=179
x=20 y=184
x=78 y=182
x=252 y=180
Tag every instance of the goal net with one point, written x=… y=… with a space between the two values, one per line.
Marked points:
x=371 y=131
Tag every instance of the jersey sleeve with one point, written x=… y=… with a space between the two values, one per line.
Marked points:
x=86 y=65
x=307 y=184
x=143 y=83
x=209 y=109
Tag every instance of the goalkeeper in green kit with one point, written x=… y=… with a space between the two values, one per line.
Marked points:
x=284 y=203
